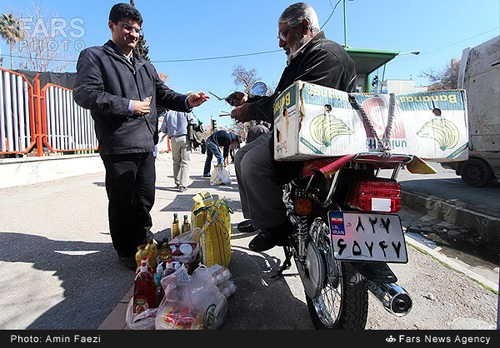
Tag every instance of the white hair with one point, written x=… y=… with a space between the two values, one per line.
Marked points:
x=294 y=14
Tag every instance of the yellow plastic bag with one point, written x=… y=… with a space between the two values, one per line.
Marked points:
x=216 y=235
x=198 y=215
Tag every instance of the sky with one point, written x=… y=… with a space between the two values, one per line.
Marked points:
x=187 y=38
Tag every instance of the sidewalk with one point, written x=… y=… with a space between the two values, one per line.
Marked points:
x=245 y=264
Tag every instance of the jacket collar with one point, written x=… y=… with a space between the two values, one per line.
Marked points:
x=113 y=50
x=313 y=41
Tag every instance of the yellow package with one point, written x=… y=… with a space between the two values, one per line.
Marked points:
x=216 y=236
x=198 y=215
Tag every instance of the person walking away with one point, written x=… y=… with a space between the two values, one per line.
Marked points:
x=223 y=139
x=175 y=126
x=310 y=58
x=121 y=90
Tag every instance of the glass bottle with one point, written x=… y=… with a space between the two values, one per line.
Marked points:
x=186 y=226
x=175 y=227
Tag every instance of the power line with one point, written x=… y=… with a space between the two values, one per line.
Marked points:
x=442 y=48
x=331 y=14
x=249 y=54
x=164 y=61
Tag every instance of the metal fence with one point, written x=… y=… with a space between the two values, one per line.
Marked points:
x=16 y=117
x=66 y=125
x=47 y=119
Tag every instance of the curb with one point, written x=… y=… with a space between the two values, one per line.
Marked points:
x=454 y=264
x=485 y=226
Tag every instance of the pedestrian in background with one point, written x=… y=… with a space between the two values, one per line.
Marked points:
x=223 y=139
x=121 y=90
x=175 y=126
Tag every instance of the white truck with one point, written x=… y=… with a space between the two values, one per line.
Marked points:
x=479 y=75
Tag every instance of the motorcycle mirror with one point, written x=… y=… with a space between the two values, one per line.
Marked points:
x=258 y=89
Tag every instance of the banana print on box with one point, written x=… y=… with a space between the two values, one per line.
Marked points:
x=441 y=130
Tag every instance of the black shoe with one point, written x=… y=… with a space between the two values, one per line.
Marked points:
x=128 y=262
x=265 y=240
x=207 y=175
x=246 y=226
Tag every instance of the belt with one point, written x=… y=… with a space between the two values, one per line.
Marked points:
x=179 y=135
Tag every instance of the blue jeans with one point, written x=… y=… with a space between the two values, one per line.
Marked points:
x=212 y=149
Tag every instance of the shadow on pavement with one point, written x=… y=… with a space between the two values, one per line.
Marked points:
x=262 y=302
x=92 y=279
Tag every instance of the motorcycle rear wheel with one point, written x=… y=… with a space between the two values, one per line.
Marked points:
x=343 y=302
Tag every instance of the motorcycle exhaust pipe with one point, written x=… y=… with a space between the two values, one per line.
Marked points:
x=394 y=298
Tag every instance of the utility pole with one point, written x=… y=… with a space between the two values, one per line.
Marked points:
x=345 y=25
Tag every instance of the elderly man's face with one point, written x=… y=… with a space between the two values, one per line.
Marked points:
x=290 y=39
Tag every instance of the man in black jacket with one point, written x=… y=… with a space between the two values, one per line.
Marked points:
x=122 y=90
x=311 y=58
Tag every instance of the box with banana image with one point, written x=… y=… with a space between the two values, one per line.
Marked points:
x=312 y=121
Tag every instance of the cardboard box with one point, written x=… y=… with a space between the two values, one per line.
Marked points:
x=312 y=121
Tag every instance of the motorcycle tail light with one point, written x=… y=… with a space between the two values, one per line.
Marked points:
x=303 y=206
x=378 y=195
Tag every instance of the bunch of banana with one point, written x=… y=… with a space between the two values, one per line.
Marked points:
x=325 y=127
x=441 y=130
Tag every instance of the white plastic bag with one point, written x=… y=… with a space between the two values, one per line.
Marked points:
x=220 y=175
x=190 y=302
x=141 y=321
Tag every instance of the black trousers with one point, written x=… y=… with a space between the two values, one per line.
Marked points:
x=130 y=185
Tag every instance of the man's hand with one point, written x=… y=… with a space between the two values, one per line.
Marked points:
x=241 y=114
x=196 y=99
x=237 y=98
x=141 y=107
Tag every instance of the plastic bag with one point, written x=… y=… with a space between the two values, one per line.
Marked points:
x=220 y=277
x=190 y=302
x=141 y=321
x=220 y=176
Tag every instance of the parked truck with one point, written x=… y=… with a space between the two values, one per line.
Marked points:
x=479 y=75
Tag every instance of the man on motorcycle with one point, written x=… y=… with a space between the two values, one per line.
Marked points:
x=311 y=58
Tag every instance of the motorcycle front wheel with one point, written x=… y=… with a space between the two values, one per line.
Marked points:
x=343 y=301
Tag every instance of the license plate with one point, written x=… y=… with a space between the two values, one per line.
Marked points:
x=367 y=237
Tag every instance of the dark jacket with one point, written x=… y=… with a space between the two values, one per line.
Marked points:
x=106 y=82
x=322 y=62
x=223 y=139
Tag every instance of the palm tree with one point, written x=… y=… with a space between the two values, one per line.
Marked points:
x=11 y=30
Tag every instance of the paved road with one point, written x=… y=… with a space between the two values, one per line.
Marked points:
x=58 y=269
x=447 y=185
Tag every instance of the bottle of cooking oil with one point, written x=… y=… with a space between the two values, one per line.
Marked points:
x=152 y=251
x=186 y=226
x=175 y=227
x=141 y=252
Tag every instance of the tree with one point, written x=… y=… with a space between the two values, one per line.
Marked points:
x=247 y=78
x=445 y=79
x=41 y=49
x=244 y=77
x=141 y=49
x=11 y=30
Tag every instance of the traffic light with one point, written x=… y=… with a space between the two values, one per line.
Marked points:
x=214 y=125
